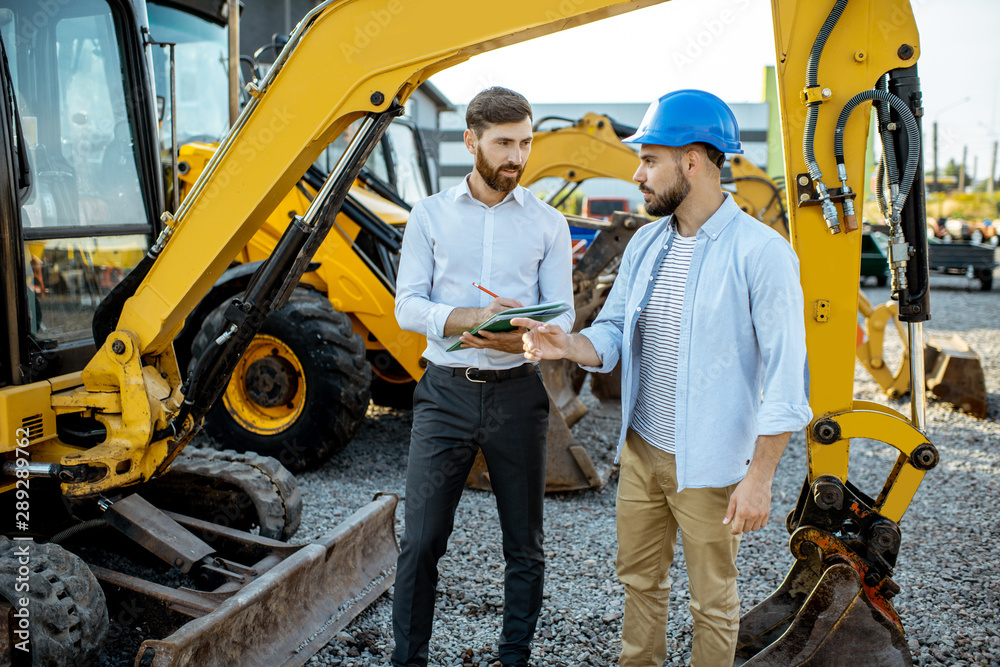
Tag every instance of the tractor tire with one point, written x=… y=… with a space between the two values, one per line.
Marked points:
x=68 y=612
x=301 y=389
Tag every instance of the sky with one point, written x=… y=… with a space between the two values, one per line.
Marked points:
x=723 y=46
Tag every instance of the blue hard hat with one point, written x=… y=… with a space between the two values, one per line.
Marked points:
x=683 y=117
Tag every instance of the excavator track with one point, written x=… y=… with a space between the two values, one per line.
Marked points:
x=239 y=490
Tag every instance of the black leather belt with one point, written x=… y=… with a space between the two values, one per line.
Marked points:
x=484 y=375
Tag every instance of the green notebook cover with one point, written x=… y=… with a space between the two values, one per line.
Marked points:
x=543 y=312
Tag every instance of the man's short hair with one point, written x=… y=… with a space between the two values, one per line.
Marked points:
x=495 y=106
x=715 y=156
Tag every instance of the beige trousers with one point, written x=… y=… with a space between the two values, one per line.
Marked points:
x=650 y=510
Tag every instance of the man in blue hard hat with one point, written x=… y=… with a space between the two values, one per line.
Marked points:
x=706 y=315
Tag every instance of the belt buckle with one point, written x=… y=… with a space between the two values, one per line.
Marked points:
x=470 y=368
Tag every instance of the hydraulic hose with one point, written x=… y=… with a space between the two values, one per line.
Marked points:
x=913 y=135
x=888 y=143
x=812 y=113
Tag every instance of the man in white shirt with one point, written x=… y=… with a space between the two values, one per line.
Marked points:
x=706 y=315
x=486 y=231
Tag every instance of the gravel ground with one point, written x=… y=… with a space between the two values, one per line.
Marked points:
x=948 y=565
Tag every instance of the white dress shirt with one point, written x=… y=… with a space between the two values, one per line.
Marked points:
x=519 y=249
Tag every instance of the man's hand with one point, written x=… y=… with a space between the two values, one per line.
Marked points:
x=500 y=304
x=542 y=341
x=749 y=506
x=506 y=341
x=463 y=319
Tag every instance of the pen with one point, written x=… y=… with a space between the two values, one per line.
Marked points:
x=486 y=290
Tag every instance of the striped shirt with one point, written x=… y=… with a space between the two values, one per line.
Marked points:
x=660 y=331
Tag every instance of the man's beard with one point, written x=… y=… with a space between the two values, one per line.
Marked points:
x=662 y=205
x=492 y=175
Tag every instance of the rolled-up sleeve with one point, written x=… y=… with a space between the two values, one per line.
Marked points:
x=776 y=307
x=607 y=332
x=414 y=309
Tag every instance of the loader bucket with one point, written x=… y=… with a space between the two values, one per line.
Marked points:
x=301 y=596
x=954 y=374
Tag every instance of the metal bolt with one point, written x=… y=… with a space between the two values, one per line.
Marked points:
x=118 y=347
x=905 y=52
x=828 y=495
x=803 y=197
x=377 y=98
x=803 y=180
x=827 y=93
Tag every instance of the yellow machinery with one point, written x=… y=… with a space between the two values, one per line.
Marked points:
x=127 y=416
x=354 y=270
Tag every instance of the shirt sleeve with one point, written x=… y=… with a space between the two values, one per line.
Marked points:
x=555 y=274
x=414 y=309
x=607 y=332
x=776 y=308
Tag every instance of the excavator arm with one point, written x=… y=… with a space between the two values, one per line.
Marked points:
x=345 y=61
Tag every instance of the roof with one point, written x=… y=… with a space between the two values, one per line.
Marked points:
x=436 y=96
x=215 y=11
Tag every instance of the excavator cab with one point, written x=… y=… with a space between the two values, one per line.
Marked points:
x=87 y=201
x=79 y=117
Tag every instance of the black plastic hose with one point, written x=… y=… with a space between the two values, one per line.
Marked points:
x=812 y=78
x=912 y=131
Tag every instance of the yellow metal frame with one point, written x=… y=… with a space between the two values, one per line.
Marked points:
x=864 y=45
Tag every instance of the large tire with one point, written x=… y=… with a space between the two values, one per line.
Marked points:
x=68 y=611
x=241 y=490
x=300 y=391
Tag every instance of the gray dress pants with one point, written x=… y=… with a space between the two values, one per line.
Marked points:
x=453 y=418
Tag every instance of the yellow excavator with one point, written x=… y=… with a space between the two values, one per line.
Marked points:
x=89 y=435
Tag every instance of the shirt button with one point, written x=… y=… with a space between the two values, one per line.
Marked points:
x=638 y=309
x=651 y=277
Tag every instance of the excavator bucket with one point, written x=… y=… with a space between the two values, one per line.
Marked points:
x=834 y=607
x=836 y=624
x=569 y=466
x=279 y=604
x=955 y=374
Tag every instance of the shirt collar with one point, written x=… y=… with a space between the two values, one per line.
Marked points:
x=719 y=220
x=463 y=189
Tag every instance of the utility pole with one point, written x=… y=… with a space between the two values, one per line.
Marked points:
x=935 y=158
x=993 y=169
x=961 y=170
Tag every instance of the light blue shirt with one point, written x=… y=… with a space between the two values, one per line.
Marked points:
x=741 y=368
x=519 y=248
